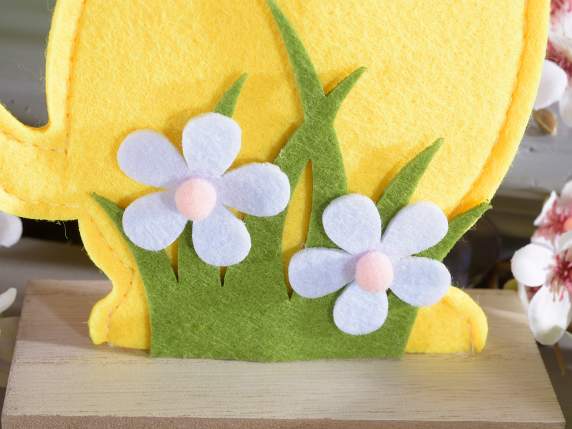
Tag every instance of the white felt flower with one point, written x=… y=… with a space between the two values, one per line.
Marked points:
x=548 y=268
x=197 y=188
x=369 y=264
x=10 y=229
x=7 y=298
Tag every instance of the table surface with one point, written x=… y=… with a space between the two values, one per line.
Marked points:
x=58 y=378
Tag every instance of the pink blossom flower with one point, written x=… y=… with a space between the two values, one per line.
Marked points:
x=556 y=216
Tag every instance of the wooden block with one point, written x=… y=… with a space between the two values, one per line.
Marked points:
x=59 y=379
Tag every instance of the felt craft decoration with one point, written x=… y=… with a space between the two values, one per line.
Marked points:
x=368 y=266
x=332 y=127
x=198 y=190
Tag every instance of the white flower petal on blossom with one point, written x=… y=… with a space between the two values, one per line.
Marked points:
x=420 y=281
x=10 y=229
x=553 y=83
x=358 y=312
x=543 y=241
x=531 y=264
x=7 y=298
x=259 y=189
x=565 y=107
x=541 y=218
x=149 y=158
x=564 y=242
x=211 y=143
x=413 y=229
x=153 y=222
x=316 y=272
x=548 y=316
x=353 y=223
x=221 y=239
x=566 y=193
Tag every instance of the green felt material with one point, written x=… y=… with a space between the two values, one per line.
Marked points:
x=251 y=316
x=227 y=103
x=191 y=269
x=401 y=188
x=457 y=228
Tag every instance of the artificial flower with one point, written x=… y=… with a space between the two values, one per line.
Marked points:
x=557 y=70
x=10 y=229
x=555 y=217
x=553 y=84
x=197 y=188
x=368 y=263
x=7 y=298
x=547 y=267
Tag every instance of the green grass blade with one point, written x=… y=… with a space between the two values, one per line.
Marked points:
x=402 y=187
x=154 y=267
x=227 y=103
x=309 y=85
x=457 y=228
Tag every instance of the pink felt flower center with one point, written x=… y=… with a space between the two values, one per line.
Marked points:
x=374 y=272
x=195 y=199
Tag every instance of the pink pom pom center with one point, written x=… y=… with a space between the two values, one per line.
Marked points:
x=195 y=199
x=374 y=272
x=568 y=225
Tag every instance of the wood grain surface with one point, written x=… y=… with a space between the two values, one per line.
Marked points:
x=59 y=379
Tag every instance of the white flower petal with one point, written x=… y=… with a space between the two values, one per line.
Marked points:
x=211 y=143
x=150 y=158
x=259 y=189
x=221 y=239
x=548 y=316
x=317 y=272
x=565 y=107
x=566 y=193
x=541 y=219
x=420 y=281
x=414 y=228
x=10 y=229
x=358 y=312
x=353 y=223
x=152 y=222
x=564 y=242
x=7 y=298
x=531 y=264
x=553 y=83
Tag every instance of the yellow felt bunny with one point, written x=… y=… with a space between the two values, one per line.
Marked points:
x=462 y=70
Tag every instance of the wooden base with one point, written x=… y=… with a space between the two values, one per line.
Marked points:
x=59 y=379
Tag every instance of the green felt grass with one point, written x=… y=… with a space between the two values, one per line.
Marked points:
x=250 y=315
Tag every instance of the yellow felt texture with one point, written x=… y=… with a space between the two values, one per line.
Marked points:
x=454 y=324
x=463 y=70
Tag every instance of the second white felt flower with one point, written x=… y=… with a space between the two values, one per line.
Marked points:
x=197 y=188
x=368 y=264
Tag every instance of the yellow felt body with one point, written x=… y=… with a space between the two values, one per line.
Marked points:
x=454 y=324
x=460 y=69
